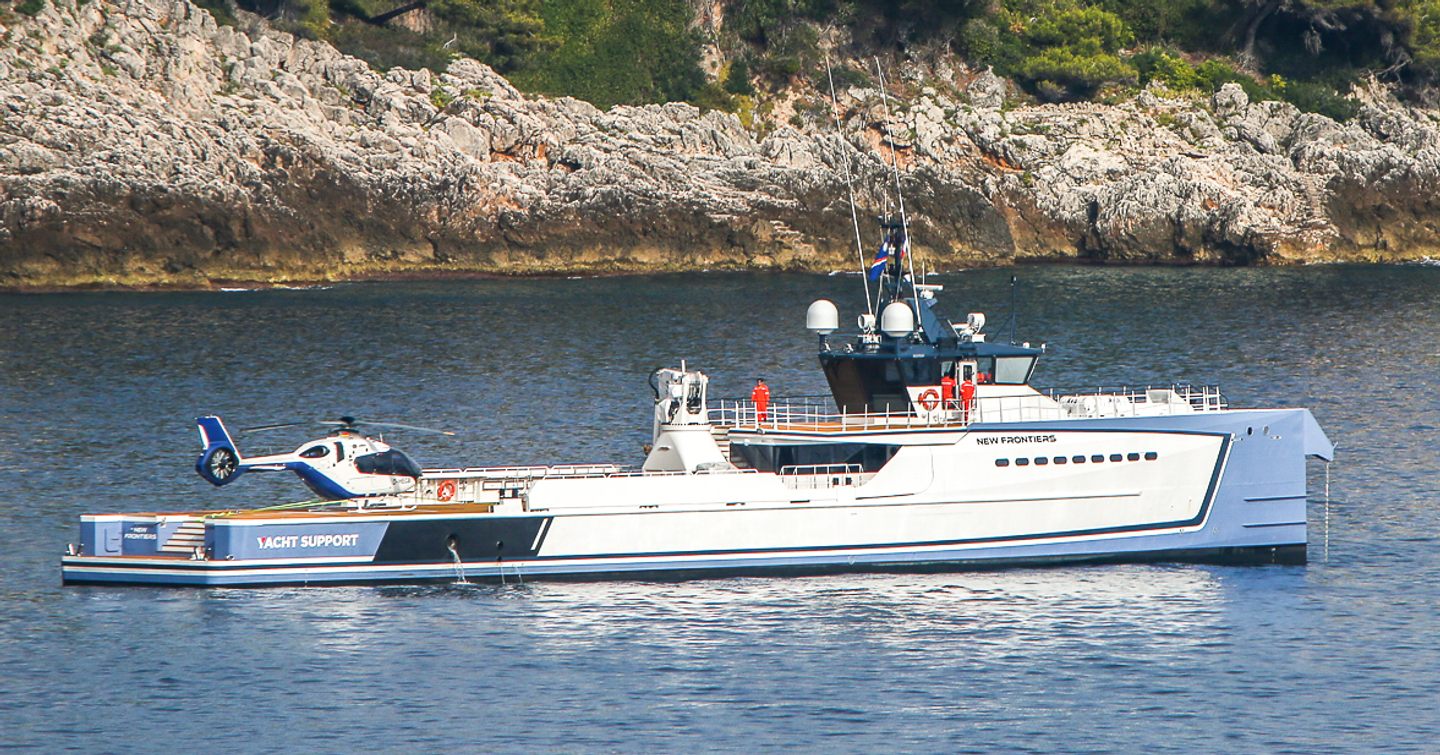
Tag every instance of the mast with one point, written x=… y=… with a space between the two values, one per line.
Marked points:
x=899 y=195
x=849 y=189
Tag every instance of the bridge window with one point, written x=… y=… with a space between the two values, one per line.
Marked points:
x=1013 y=370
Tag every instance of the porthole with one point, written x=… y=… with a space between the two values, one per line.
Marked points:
x=1097 y=458
x=1002 y=462
x=1061 y=460
x=1151 y=456
x=1022 y=462
x=1078 y=458
x=1041 y=461
x=1249 y=431
x=1132 y=456
x=1117 y=457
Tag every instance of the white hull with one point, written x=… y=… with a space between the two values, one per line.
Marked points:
x=1198 y=486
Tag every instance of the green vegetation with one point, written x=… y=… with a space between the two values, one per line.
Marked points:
x=1061 y=49
x=1307 y=52
x=222 y=10
x=30 y=7
x=617 y=51
x=440 y=98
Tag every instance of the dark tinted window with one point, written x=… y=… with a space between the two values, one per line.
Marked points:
x=1061 y=460
x=315 y=452
x=1022 y=462
x=1116 y=457
x=1133 y=456
x=390 y=462
x=870 y=456
x=339 y=452
x=1078 y=458
x=1151 y=456
x=1041 y=460
x=1002 y=462
x=1097 y=458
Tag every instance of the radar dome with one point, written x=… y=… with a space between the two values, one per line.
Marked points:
x=822 y=317
x=897 y=319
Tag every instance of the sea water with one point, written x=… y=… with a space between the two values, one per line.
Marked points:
x=98 y=392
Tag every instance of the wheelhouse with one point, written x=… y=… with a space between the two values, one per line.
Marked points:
x=877 y=381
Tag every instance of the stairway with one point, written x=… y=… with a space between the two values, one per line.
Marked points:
x=187 y=538
x=721 y=434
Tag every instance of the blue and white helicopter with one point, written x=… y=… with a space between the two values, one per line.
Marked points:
x=344 y=464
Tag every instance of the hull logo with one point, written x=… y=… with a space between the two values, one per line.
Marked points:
x=1015 y=439
x=308 y=541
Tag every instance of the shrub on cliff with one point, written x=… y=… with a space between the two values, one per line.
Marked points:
x=1059 y=49
x=617 y=52
x=30 y=7
x=1170 y=69
x=507 y=34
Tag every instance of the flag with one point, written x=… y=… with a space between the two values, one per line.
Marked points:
x=881 y=257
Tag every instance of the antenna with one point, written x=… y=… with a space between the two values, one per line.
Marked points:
x=1014 y=314
x=849 y=189
x=899 y=196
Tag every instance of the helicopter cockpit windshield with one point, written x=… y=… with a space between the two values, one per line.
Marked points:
x=391 y=462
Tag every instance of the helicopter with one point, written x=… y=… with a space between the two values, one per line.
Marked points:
x=344 y=464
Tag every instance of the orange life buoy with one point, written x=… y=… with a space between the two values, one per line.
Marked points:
x=445 y=490
x=930 y=399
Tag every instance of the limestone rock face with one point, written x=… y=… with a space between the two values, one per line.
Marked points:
x=141 y=143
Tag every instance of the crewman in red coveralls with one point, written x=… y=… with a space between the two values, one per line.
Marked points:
x=947 y=391
x=761 y=396
x=967 y=397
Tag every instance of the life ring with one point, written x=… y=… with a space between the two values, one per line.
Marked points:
x=930 y=399
x=445 y=490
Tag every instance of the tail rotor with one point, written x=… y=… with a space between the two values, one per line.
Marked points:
x=220 y=462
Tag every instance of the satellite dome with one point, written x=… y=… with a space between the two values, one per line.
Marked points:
x=822 y=317
x=897 y=319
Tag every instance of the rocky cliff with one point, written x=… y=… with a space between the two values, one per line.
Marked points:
x=143 y=144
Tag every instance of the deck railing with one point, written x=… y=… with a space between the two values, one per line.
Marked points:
x=819 y=413
x=1175 y=398
x=823 y=476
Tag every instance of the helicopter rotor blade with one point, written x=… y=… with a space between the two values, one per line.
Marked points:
x=275 y=426
x=415 y=428
x=352 y=423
